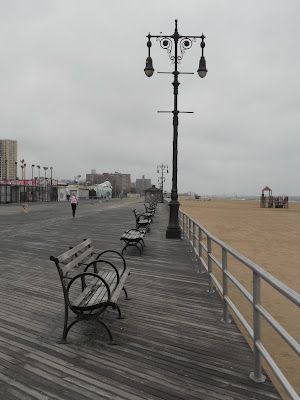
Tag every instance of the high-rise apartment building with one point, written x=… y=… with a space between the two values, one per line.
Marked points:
x=8 y=159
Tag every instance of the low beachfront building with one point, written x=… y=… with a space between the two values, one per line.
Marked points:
x=82 y=192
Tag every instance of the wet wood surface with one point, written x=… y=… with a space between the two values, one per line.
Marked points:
x=172 y=344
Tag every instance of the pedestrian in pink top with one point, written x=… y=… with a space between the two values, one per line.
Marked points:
x=74 y=203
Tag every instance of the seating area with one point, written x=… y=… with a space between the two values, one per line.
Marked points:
x=134 y=237
x=91 y=283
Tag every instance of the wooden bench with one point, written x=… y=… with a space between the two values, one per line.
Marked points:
x=142 y=222
x=133 y=238
x=91 y=282
x=151 y=208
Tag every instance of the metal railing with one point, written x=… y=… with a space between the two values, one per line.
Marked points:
x=202 y=243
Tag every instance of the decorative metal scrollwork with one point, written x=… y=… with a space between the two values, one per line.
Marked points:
x=185 y=44
x=167 y=44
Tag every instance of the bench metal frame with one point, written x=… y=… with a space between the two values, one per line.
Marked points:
x=83 y=258
x=141 y=221
x=133 y=238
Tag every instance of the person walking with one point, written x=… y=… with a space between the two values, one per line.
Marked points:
x=74 y=203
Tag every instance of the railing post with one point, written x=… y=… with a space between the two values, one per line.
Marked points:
x=190 y=236
x=182 y=230
x=226 y=316
x=257 y=374
x=194 y=243
x=200 y=236
x=209 y=266
x=194 y=238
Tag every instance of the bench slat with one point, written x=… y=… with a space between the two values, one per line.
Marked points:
x=116 y=293
x=95 y=290
x=64 y=256
x=100 y=295
x=77 y=260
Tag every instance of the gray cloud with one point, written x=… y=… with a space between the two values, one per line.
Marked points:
x=74 y=93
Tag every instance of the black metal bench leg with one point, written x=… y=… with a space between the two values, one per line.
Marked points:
x=66 y=331
x=107 y=330
x=140 y=249
x=125 y=247
x=131 y=244
x=115 y=306
x=126 y=295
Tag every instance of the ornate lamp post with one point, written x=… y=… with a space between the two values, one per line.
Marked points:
x=180 y=44
x=51 y=170
x=39 y=180
x=45 y=190
x=23 y=169
x=39 y=172
x=161 y=179
x=32 y=166
x=45 y=169
x=16 y=170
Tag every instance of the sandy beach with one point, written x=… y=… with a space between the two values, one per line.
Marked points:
x=270 y=238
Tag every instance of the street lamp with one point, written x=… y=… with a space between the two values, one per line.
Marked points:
x=16 y=169
x=32 y=166
x=23 y=169
x=51 y=169
x=45 y=169
x=45 y=190
x=180 y=44
x=162 y=167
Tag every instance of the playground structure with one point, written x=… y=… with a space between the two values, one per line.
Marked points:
x=270 y=201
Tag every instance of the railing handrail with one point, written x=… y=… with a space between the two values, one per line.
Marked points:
x=274 y=282
x=188 y=226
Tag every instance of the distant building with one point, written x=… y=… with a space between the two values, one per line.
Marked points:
x=8 y=159
x=142 y=184
x=93 y=178
x=80 y=191
x=121 y=183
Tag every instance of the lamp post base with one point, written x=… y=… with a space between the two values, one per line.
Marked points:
x=173 y=229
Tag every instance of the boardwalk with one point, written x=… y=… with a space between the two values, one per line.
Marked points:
x=172 y=344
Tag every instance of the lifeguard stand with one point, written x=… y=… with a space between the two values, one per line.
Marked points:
x=269 y=201
x=266 y=200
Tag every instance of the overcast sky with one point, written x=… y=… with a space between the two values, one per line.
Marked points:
x=75 y=97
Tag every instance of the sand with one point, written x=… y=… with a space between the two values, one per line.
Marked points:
x=270 y=238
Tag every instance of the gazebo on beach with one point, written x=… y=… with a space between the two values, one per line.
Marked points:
x=154 y=194
x=269 y=201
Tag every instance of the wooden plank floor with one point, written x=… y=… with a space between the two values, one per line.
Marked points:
x=172 y=344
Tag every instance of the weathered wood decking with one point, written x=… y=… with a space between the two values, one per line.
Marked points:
x=172 y=344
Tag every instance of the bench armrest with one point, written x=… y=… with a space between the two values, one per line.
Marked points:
x=99 y=255
x=94 y=265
